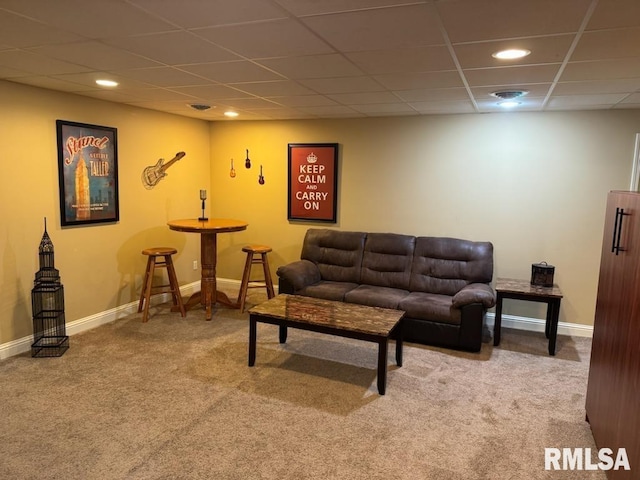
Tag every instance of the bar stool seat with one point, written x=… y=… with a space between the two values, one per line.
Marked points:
x=256 y=254
x=160 y=257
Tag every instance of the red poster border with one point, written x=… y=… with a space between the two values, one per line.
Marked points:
x=311 y=216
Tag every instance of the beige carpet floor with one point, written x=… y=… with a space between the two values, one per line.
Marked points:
x=175 y=399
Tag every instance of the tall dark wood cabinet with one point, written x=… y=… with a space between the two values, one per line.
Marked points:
x=613 y=392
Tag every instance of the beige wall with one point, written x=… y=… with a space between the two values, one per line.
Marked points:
x=532 y=183
x=100 y=266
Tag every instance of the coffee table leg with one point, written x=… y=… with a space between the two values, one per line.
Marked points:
x=399 y=347
x=283 y=333
x=382 y=366
x=252 y=341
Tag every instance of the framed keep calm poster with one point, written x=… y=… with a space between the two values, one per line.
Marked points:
x=87 y=173
x=313 y=182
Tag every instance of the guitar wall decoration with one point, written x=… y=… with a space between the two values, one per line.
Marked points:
x=154 y=173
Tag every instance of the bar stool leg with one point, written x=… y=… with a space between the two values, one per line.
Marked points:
x=175 y=287
x=147 y=288
x=244 y=285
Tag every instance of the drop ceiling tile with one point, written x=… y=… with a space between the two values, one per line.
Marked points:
x=232 y=72
x=606 y=44
x=303 y=100
x=90 y=19
x=511 y=75
x=414 y=81
x=379 y=29
x=276 y=38
x=634 y=98
x=274 y=89
x=314 y=7
x=415 y=59
x=443 y=107
x=550 y=49
x=433 y=94
x=283 y=113
x=89 y=79
x=312 y=66
x=363 y=98
x=342 y=85
x=37 y=64
x=471 y=20
x=52 y=83
x=95 y=55
x=331 y=111
x=249 y=103
x=18 y=31
x=205 y=13
x=584 y=100
x=598 y=86
x=615 y=14
x=383 y=108
x=163 y=77
x=157 y=95
x=173 y=48
x=602 y=70
x=211 y=92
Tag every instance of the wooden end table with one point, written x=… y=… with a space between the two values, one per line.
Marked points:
x=523 y=290
x=349 y=320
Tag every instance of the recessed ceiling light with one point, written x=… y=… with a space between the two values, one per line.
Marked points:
x=230 y=113
x=511 y=54
x=107 y=83
x=509 y=104
x=509 y=94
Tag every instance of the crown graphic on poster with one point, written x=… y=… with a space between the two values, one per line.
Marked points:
x=311 y=158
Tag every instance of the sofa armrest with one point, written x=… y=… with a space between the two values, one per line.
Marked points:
x=300 y=274
x=475 y=293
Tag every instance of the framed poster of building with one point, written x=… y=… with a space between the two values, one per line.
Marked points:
x=87 y=173
x=313 y=182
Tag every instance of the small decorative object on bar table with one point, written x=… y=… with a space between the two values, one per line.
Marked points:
x=47 y=303
x=203 y=197
x=542 y=274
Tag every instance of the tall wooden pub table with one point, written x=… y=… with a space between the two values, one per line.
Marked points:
x=208 y=230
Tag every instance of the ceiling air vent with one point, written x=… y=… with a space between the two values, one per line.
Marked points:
x=508 y=94
x=200 y=106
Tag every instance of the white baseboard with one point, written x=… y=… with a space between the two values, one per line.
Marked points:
x=23 y=345
x=538 y=324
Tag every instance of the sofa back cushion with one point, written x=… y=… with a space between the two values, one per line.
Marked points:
x=387 y=260
x=445 y=265
x=337 y=254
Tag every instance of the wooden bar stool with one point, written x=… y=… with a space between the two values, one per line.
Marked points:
x=156 y=256
x=252 y=252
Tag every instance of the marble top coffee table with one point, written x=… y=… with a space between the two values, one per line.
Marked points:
x=349 y=320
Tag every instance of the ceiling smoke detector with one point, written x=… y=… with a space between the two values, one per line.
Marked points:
x=201 y=107
x=509 y=94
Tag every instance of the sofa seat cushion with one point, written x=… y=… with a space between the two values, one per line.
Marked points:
x=373 y=296
x=431 y=306
x=328 y=290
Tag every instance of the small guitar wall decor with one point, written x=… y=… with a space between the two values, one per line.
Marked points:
x=154 y=173
x=247 y=162
x=261 y=177
x=232 y=172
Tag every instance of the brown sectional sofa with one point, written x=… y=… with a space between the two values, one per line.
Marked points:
x=443 y=284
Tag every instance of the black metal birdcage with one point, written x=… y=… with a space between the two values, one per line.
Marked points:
x=47 y=304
